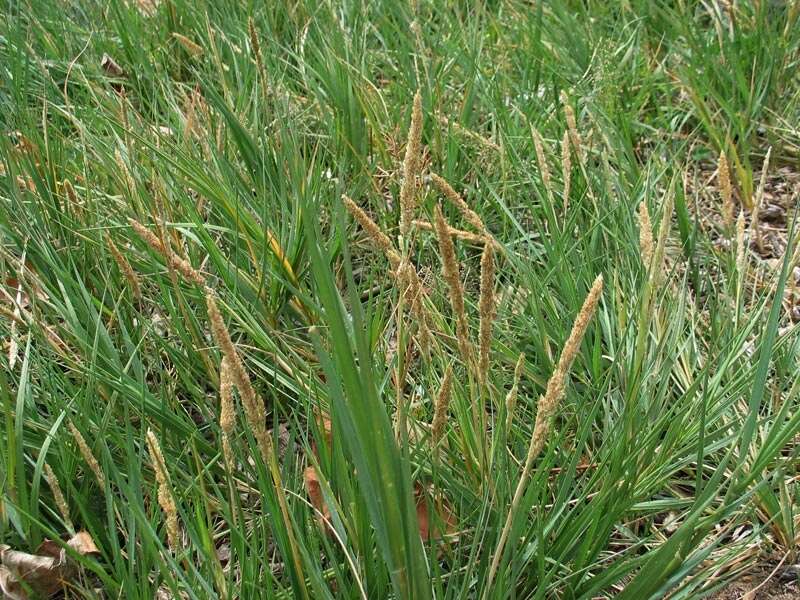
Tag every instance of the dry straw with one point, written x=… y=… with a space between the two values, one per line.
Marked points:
x=572 y=127
x=411 y=166
x=566 y=167
x=645 y=235
x=470 y=216
x=725 y=191
x=487 y=308
x=511 y=397
x=441 y=407
x=165 y=499
x=452 y=276
x=58 y=496
x=546 y=409
x=125 y=267
x=87 y=455
x=175 y=261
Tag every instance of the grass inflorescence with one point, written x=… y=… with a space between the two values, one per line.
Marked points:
x=399 y=300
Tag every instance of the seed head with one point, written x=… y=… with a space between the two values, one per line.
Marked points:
x=572 y=126
x=87 y=455
x=414 y=295
x=227 y=416
x=125 y=267
x=452 y=276
x=459 y=234
x=548 y=403
x=645 y=235
x=566 y=167
x=175 y=261
x=541 y=159
x=58 y=496
x=254 y=410
x=440 y=408
x=411 y=166
x=376 y=235
x=470 y=216
x=740 y=245
x=165 y=499
x=754 y=218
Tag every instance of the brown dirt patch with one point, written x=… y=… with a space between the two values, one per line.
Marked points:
x=762 y=583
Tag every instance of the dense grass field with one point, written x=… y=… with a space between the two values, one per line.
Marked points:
x=398 y=300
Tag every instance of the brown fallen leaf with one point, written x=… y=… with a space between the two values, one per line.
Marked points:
x=428 y=530
x=45 y=573
x=314 y=491
x=110 y=66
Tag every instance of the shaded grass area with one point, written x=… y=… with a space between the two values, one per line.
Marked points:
x=231 y=131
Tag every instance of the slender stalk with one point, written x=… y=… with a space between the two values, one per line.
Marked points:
x=546 y=409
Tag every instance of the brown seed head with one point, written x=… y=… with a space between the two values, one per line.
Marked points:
x=541 y=159
x=645 y=235
x=740 y=245
x=414 y=295
x=58 y=496
x=440 y=408
x=176 y=262
x=572 y=125
x=125 y=267
x=548 y=403
x=754 y=218
x=411 y=166
x=566 y=167
x=227 y=415
x=191 y=47
x=254 y=409
x=459 y=234
x=470 y=216
x=376 y=235
x=452 y=276
x=165 y=499
x=87 y=455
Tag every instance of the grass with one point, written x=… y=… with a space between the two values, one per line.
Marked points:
x=231 y=131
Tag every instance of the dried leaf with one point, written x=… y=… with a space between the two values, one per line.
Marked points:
x=428 y=530
x=314 y=491
x=110 y=66
x=45 y=573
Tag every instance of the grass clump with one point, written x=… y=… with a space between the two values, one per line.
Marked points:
x=463 y=370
